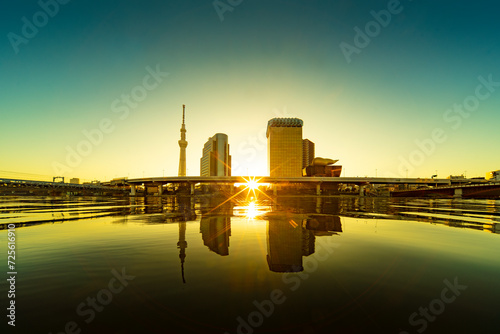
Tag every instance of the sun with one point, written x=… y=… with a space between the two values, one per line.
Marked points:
x=252 y=184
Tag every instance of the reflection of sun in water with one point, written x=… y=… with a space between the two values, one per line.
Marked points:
x=251 y=207
x=252 y=211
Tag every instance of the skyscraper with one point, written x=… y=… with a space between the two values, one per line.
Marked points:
x=183 y=144
x=307 y=152
x=216 y=160
x=284 y=147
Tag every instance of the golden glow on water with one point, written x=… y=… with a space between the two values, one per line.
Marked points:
x=252 y=211
x=241 y=252
x=251 y=186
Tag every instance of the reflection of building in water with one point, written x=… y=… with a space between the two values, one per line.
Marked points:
x=323 y=224
x=185 y=208
x=287 y=242
x=292 y=236
x=215 y=232
x=215 y=205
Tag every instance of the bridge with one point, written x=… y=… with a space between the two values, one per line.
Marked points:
x=317 y=181
x=17 y=186
x=435 y=187
x=474 y=190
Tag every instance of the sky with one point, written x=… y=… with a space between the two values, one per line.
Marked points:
x=94 y=89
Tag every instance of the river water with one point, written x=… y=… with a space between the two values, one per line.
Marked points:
x=252 y=265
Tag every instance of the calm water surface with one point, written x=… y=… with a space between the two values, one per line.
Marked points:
x=281 y=265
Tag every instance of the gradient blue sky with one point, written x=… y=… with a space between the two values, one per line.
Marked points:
x=265 y=59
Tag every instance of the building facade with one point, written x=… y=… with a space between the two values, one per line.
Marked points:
x=284 y=147
x=216 y=160
x=307 y=153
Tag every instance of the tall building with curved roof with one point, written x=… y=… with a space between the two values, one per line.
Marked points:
x=284 y=147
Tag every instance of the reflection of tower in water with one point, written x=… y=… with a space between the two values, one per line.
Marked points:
x=182 y=245
x=184 y=206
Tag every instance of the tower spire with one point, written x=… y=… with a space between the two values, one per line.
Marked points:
x=183 y=144
x=183 y=113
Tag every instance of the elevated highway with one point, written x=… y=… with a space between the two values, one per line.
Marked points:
x=30 y=186
x=275 y=180
x=474 y=190
x=318 y=181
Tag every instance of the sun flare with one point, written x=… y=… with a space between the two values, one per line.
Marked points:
x=252 y=184
x=251 y=211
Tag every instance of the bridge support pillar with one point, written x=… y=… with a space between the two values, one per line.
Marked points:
x=458 y=193
x=361 y=190
x=319 y=202
x=192 y=188
x=275 y=190
x=160 y=190
x=132 y=190
x=318 y=189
